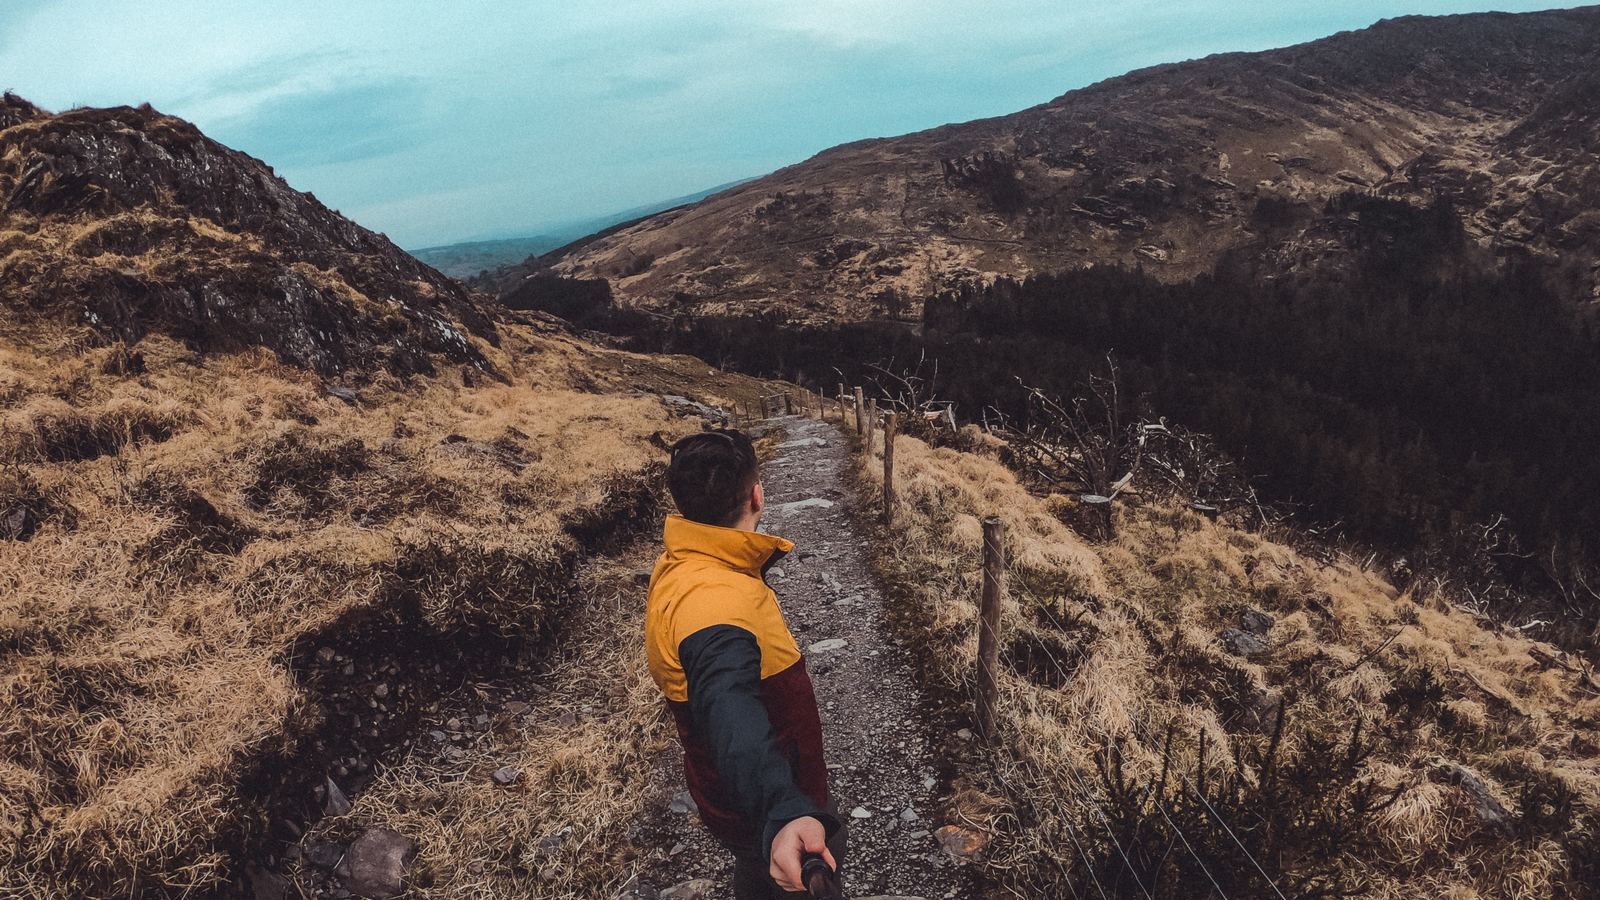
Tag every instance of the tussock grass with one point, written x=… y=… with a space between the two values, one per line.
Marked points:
x=1121 y=708
x=205 y=522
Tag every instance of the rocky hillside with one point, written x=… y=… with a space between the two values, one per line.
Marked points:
x=129 y=221
x=1172 y=168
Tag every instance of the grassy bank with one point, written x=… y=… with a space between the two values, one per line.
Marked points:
x=197 y=527
x=1138 y=754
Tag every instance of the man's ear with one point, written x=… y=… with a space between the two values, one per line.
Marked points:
x=758 y=499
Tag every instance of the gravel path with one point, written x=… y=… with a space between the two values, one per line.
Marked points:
x=878 y=752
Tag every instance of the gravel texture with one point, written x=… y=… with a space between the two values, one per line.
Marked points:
x=880 y=757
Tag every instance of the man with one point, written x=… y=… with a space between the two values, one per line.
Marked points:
x=733 y=675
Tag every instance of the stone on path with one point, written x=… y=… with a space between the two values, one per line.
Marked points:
x=784 y=509
x=803 y=442
x=828 y=645
x=698 y=889
x=860 y=812
x=506 y=775
x=375 y=865
x=961 y=844
x=336 y=804
x=683 y=802
x=908 y=815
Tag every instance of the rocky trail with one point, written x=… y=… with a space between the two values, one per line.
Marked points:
x=448 y=716
x=881 y=756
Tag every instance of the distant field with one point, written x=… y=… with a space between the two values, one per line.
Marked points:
x=466 y=260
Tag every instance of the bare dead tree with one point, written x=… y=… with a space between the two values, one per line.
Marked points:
x=1188 y=465
x=906 y=390
x=1083 y=445
x=912 y=392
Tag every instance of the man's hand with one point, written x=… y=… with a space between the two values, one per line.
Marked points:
x=804 y=835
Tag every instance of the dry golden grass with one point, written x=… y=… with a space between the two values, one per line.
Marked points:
x=562 y=830
x=1112 y=645
x=205 y=520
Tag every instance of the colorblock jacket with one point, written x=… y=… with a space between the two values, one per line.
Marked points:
x=736 y=684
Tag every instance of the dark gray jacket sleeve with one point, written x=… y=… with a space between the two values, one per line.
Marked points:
x=723 y=665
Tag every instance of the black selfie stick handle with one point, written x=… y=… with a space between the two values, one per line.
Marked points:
x=818 y=877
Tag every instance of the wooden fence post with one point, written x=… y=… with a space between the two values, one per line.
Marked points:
x=861 y=413
x=872 y=422
x=889 y=423
x=994 y=588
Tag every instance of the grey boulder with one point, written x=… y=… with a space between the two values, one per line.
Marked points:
x=1242 y=643
x=375 y=865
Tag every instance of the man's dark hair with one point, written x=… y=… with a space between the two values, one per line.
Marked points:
x=711 y=475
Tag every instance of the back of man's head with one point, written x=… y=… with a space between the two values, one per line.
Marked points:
x=711 y=476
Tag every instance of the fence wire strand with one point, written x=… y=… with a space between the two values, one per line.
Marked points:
x=1156 y=800
x=1176 y=830
x=1145 y=733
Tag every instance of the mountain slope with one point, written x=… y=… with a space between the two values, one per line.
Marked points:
x=130 y=221
x=1173 y=168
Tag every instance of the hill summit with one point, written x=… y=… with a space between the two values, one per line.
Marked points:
x=1175 y=168
x=129 y=221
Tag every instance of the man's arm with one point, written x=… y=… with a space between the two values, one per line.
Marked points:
x=723 y=665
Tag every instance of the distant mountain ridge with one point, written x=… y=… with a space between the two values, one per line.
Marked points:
x=1173 y=168
x=467 y=259
x=127 y=221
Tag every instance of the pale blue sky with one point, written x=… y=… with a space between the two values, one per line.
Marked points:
x=466 y=119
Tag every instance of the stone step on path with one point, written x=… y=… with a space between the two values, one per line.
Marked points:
x=879 y=754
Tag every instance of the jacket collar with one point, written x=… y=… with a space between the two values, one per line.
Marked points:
x=750 y=552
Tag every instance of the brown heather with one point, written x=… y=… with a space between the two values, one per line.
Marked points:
x=1109 y=647
x=205 y=522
